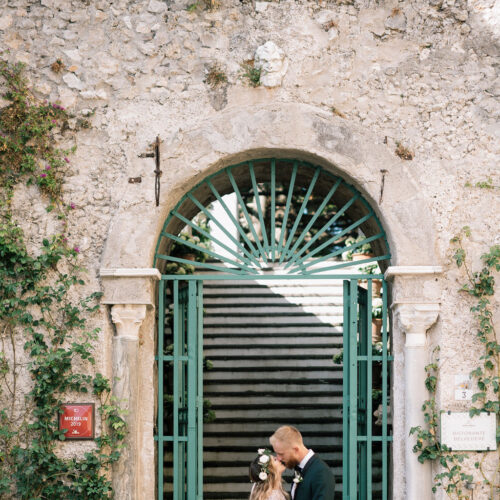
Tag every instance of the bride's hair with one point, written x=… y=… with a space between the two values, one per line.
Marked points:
x=262 y=488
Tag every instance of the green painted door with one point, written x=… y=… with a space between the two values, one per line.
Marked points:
x=365 y=391
x=180 y=389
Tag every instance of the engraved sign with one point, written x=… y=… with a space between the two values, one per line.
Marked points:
x=461 y=432
x=78 y=420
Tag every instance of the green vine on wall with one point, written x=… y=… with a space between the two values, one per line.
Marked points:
x=46 y=345
x=453 y=479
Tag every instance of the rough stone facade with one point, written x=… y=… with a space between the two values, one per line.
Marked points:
x=359 y=78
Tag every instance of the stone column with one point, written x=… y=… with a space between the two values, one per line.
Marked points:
x=131 y=295
x=415 y=320
x=415 y=309
x=126 y=373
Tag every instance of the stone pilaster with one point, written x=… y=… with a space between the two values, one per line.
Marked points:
x=415 y=320
x=126 y=374
x=415 y=309
x=130 y=293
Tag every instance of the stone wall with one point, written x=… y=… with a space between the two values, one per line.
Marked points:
x=355 y=78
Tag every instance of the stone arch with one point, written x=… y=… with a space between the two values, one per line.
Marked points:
x=280 y=130
x=287 y=130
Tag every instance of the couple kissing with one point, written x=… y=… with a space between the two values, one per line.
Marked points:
x=313 y=478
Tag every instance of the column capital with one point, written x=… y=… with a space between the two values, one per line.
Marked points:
x=415 y=284
x=128 y=319
x=411 y=271
x=415 y=319
x=129 y=285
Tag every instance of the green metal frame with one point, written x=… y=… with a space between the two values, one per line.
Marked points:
x=187 y=399
x=359 y=442
x=250 y=256
x=258 y=247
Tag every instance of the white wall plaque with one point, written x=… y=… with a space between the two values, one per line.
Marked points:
x=461 y=432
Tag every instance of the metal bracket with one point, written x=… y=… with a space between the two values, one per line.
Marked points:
x=158 y=172
x=156 y=155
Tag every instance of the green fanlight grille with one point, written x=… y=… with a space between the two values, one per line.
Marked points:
x=290 y=215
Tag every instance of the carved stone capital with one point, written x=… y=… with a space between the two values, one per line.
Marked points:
x=128 y=319
x=129 y=286
x=415 y=319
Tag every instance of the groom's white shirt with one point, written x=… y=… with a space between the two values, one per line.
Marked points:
x=302 y=464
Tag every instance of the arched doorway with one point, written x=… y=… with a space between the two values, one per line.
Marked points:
x=290 y=221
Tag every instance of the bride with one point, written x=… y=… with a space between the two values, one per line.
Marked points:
x=265 y=473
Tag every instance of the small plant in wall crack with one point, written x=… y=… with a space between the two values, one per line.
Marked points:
x=481 y=286
x=251 y=73
x=215 y=76
x=487 y=184
x=403 y=152
x=337 y=112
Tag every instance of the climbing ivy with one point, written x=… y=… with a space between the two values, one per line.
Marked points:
x=46 y=344
x=481 y=286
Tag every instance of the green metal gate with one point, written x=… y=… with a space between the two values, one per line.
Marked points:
x=305 y=238
x=362 y=478
x=185 y=355
x=360 y=363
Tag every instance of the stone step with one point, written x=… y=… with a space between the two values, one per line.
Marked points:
x=274 y=330
x=298 y=400
x=261 y=340
x=262 y=430
x=270 y=351
x=244 y=441
x=253 y=301
x=267 y=310
x=288 y=362
x=287 y=319
x=273 y=413
x=276 y=283
x=272 y=388
x=330 y=374
x=243 y=487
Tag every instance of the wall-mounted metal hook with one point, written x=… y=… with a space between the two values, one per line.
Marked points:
x=157 y=171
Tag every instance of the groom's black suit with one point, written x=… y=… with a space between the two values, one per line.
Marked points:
x=318 y=481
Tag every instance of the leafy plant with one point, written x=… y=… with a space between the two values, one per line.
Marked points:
x=40 y=309
x=215 y=76
x=370 y=268
x=487 y=184
x=357 y=246
x=179 y=268
x=377 y=312
x=481 y=286
x=251 y=73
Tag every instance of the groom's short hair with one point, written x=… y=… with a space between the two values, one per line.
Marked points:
x=288 y=435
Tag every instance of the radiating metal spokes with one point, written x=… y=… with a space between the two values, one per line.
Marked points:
x=283 y=214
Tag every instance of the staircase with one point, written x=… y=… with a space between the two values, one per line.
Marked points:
x=271 y=344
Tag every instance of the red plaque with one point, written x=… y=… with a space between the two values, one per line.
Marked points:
x=78 y=420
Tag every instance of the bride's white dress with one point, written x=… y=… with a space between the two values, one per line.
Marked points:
x=276 y=495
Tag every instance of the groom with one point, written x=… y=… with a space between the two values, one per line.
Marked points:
x=313 y=478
